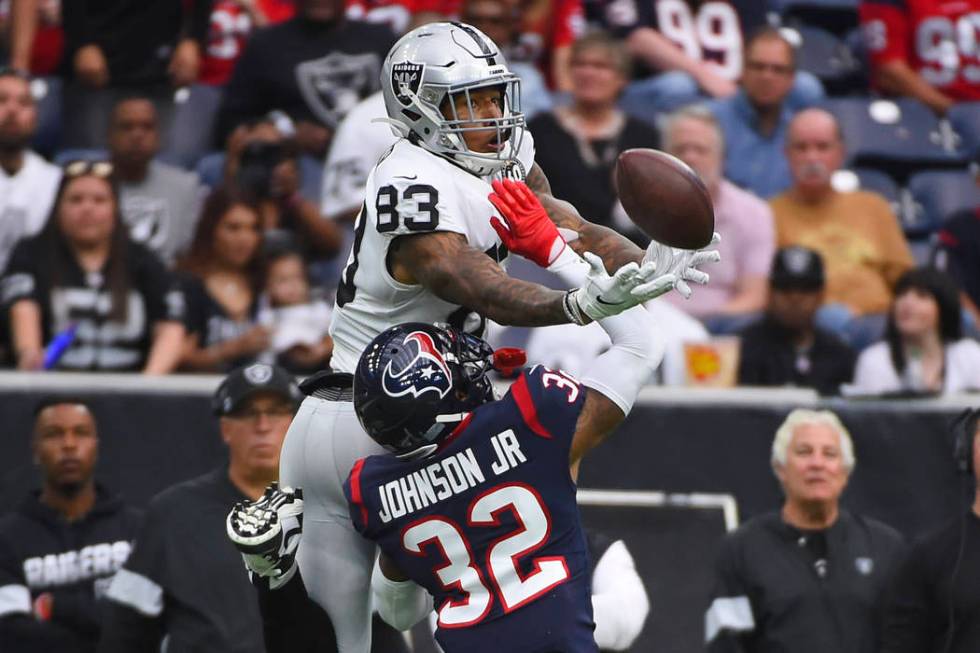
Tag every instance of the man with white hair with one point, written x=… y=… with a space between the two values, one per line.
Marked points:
x=810 y=577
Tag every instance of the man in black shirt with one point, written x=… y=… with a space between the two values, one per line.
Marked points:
x=936 y=603
x=60 y=547
x=315 y=68
x=812 y=577
x=185 y=580
x=786 y=347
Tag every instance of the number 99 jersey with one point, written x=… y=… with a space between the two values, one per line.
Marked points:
x=411 y=191
x=489 y=524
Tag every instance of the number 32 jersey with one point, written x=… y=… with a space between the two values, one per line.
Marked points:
x=410 y=191
x=489 y=525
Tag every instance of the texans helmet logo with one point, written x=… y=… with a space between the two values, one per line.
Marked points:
x=425 y=371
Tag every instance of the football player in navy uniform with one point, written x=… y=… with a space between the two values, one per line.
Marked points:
x=478 y=515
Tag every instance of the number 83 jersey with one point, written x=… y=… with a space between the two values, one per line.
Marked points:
x=411 y=191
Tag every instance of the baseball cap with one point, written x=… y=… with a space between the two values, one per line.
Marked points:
x=246 y=381
x=797 y=268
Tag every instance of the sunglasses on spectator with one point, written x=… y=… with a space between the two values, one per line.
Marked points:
x=101 y=169
x=759 y=67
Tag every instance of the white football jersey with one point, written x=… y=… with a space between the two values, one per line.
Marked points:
x=410 y=191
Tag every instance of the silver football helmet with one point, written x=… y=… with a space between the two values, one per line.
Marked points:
x=427 y=70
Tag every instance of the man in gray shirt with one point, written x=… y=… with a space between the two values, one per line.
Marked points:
x=160 y=203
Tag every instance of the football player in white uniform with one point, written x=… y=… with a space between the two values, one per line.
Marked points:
x=426 y=251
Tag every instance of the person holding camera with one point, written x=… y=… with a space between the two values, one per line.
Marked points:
x=263 y=163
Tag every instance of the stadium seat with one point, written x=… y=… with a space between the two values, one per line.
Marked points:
x=894 y=135
x=935 y=195
x=965 y=119
x=878 y=182
x=830 y=59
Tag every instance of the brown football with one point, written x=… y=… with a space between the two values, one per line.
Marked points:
x=665 y=198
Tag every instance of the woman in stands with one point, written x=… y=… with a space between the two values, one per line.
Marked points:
x=82 y=296
x=924 y=351
x=222 y=278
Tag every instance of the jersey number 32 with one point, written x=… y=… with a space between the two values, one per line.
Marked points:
x=463 y=574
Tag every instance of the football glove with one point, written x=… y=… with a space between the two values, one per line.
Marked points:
x=267 y=532
x=604 y=296
x=528 y=230
x=683 y=263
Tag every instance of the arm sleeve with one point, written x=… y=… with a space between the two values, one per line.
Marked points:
x=161 y=292
x=886 y=30
x=135 y=610
x=19 y=631
x=402 y=604
x=896 y=255
x=729 y=617
x=20 y=280
x=619 y=601
x=909 y=613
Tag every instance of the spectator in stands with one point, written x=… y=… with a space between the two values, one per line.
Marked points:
x=298 y=323
x=936 y=602
x=577 y=145
x=786 y=347
x=958 y=251
x=755 y=119
x=399 y=15
x=37 y=44
x=686 y=61
x=231 y=24
x=101 y=301
x=501 y=21
x=737 y=292
x=118 y=47
x=922 y=49
x=28 y=183
x=924 y=350
x=160 y=203
x=812 y=576
x=548 y=29
x=315 y=67
x=856 y=233
x=185 y=580
x=222 y=280
x=71 y=519
x=264 y=165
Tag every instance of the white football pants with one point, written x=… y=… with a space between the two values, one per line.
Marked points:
x=322 y=444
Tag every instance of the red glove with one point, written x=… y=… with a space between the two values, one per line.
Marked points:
x=529 y=231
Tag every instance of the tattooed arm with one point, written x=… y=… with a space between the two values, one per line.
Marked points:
x=614 y=249
x=447 y=265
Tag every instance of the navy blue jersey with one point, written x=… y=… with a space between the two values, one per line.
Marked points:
x=489 y=524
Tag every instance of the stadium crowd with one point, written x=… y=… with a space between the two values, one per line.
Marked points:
x=180 y=181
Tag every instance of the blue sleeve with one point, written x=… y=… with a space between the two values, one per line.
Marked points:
x=549 y=401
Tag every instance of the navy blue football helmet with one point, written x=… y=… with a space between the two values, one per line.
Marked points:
x=415 y=382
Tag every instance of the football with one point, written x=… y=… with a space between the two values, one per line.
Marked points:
x=665 y=198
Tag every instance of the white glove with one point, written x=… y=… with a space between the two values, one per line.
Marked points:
x=681 y=262
x=604 y=296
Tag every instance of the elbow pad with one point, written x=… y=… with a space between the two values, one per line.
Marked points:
x=400 y=603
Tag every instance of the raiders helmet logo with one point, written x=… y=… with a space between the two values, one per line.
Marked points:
x=405 y=80
x=258 y=374
x=426 y=370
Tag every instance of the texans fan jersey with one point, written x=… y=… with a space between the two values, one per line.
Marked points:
x=410 y=191
x=488 y=524
x=936 y=38
x=706 y=30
